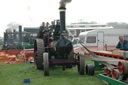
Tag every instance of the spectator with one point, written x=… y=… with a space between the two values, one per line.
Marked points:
x=122 y=44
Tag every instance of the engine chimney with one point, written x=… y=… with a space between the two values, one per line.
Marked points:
x=62 y=18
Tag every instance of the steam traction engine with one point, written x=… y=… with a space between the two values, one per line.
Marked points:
x=53 y=47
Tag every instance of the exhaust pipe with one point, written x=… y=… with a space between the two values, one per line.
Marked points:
x=20 y=36
x=62 y=14
x=62 y=19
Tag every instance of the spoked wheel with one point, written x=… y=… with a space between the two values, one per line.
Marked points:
x=81 y=65
x=46 y=64
x=90 y=69
x=38 y=52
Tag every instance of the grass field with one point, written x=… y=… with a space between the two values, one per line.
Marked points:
x=16 y=73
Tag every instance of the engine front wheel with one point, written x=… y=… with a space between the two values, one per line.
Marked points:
x=81 y=65
x=46 y=64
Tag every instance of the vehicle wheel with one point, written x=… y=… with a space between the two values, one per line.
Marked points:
x=46 y=64
x=78 y=66
x=123 y=67
x=38 y=52
x=115 y=74
x=81 y=65
x=90 y=70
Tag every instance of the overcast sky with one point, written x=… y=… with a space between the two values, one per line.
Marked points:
x=30 y=13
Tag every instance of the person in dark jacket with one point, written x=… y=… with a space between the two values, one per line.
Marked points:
x=122 y=44
x=40 y=33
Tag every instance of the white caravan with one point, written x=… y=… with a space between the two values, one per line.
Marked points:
x=105 y=39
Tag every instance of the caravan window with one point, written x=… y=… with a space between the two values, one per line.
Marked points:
x=91 y=39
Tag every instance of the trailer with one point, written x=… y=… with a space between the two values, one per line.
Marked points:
x=115 y=67
x=117 y=73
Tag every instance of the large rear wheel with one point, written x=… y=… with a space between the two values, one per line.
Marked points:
x=38 y=52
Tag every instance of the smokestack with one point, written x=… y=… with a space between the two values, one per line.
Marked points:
x=20 y=36
x=62 y=13
x=62 y=19
x=14 y=36
x=5 y=37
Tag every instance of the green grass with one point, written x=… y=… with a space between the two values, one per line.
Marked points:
x=16 y=73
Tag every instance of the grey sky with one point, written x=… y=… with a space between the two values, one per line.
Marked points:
x=33 y=12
